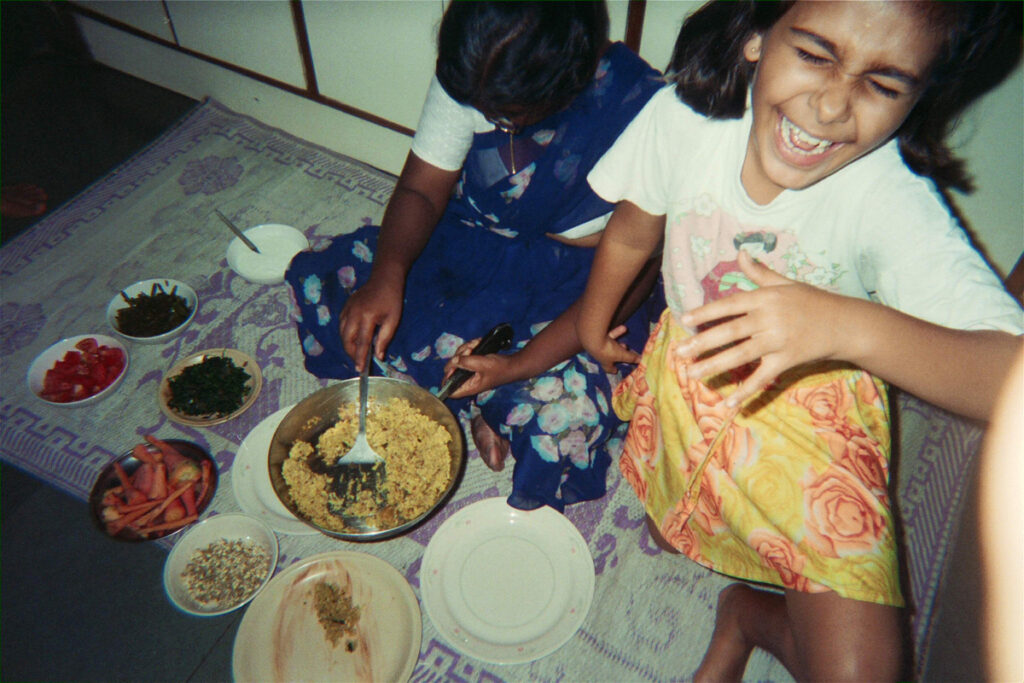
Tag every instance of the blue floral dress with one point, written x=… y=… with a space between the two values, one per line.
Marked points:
x=489 y=261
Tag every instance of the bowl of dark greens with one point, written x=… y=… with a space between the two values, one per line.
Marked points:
x=209 y=387
x=152 y=311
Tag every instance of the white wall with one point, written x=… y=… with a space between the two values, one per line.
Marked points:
x=377 y=55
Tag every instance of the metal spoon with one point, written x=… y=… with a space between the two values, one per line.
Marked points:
x=234 y=228
x=362 y=468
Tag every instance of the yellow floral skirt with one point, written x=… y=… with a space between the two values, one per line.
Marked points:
x=792 y=490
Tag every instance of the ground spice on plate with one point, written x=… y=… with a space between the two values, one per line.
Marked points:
x=336 y=613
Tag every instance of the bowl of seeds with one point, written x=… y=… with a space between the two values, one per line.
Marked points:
x=220 y=564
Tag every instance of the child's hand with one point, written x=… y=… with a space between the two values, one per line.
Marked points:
x=782 y=324
x=611 y=351
x=490 y=370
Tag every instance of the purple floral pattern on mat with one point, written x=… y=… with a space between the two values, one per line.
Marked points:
x=210 y=175
x=19 y=325
x=651 y=614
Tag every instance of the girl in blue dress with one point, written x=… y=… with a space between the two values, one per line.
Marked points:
x=492 y=221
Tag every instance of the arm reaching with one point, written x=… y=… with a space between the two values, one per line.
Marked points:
x=629 y=240
x=785 y=323
x=416 y=206
x=559 y=340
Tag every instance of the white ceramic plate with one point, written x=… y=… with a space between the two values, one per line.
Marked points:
x=47 y=359
x=277 y=244
x=504 y=585
x=250 y=480
x=242 y=360
x=228 y=527
x=146 y=287
x=280 y=638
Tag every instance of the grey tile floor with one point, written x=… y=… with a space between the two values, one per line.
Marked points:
x=74 y=605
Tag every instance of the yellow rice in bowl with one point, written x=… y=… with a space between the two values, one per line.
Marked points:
x=416 y=455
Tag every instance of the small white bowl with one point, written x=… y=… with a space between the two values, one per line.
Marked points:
x=229 y=527
x=277 y=243
x=146 y=287
x=48 y=358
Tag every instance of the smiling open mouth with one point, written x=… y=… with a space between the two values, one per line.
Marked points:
x=802 y=143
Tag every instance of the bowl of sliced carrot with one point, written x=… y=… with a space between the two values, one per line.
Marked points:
x=154 y=490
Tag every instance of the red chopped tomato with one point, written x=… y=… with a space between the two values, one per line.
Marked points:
x=82 y=373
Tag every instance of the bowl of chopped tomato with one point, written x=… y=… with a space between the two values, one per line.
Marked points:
x=78 y=371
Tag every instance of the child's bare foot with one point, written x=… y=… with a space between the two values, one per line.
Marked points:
x=493 y=448
x=727 y=654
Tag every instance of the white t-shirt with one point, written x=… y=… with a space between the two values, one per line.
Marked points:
x=872 y=230
x=445 y=134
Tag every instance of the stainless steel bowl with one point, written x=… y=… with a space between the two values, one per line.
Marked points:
x=319 y=411
x=108 y=479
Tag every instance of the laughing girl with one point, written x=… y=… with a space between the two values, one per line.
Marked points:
x=808 y=260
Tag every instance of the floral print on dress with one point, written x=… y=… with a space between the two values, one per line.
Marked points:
x=791 y=491
x=347 y=277
x=311 y=288
x=447 y=344
x=323 y=315
x=311 y=346
x=520 y=415
x=545 y=446
x=520 y=181
x=362 y=252
x=210 y=175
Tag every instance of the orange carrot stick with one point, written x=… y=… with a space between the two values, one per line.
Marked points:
x=167 y=451
x=174 y=511
x=132 y=495
x=189 y=499
x=169 y=525
x=158 y=489
x=157 y=511
x=118 y=525
x=148 y=505
x=143 y=453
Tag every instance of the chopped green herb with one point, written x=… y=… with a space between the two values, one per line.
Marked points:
x=214 y=387
x=151 y=314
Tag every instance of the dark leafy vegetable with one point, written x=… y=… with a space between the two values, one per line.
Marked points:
x=151 y=314
x=214 y=387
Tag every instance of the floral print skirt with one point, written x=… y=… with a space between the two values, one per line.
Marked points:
x=560 y=425
x=793 y=490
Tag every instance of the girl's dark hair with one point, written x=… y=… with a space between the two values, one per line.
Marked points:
x=515 y=58
x=982 y=45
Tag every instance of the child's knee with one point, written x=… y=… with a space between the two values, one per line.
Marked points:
x=659 y=540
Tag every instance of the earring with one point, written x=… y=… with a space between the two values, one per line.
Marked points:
x=752 y=50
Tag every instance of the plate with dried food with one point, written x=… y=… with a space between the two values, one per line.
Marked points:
x=210 y=387
x=341 y=616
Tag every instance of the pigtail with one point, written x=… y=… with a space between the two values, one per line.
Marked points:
x=708 y=67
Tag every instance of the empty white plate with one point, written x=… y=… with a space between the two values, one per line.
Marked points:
x=505 y=585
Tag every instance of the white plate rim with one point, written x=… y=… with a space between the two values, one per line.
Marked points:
x=451 y=533
x=246 y=467
x=369 y=563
